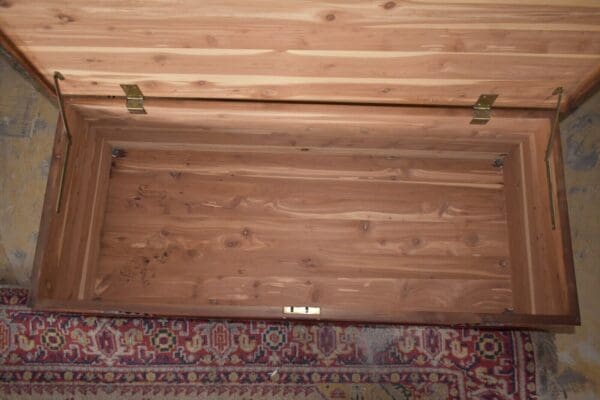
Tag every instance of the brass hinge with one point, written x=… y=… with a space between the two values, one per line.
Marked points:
x=302 y=310
x=482 y=110
x=134 y=99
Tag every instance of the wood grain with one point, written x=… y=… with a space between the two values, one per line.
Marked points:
x=305 y=198
x=454 y=318
x=224 y=224
x=200 y=240
x=48 y=223
x=362 y=296
x=554 y=287
x=520 y=229
x=39 y=81
x=563 y=237
x=235 y=210
x=418 y=52
x=58 y=268
x=271 y=162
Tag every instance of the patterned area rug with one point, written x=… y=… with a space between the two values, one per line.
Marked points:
x=62 y=356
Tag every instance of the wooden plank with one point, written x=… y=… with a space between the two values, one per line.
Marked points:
x=48 y=224
x=126 y=273
x=362 y=295
x=349 y=130
x=555 y=291
x=268 y=119
x=163 y=193
x=54 y=276
x=266 y=162
x=95 y=204
x=433 y=52
x=520 y=230
x=340 y=63
x=567 y=272
x=149 y=236
x=232 y=24
x=199 y=248
x=454 y=318
x=40 y=81
x=380 y=142
x=543 y=280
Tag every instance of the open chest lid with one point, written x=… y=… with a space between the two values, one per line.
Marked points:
x=442 y=53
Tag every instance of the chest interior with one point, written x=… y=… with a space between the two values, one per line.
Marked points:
x=343 y=212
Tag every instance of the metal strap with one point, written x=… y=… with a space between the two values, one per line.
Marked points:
x=558 y=91
x=61 y=109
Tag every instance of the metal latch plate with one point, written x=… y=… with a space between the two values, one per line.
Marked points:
x=302 y=310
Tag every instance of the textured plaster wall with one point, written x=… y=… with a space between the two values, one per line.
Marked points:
x=569 y=364
x=27 y=125
x=578 y=372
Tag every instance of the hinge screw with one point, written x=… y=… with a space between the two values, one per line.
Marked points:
x=498 y=163
x=117 y=153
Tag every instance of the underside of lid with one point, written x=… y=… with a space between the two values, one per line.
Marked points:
x=401 y=52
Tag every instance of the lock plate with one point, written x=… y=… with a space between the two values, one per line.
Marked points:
x=302 y=310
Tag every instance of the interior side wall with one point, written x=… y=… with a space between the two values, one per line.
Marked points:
x=517 y=136
x=543 y=281
x=555 y=282
x=519 y=230
x=64 y=229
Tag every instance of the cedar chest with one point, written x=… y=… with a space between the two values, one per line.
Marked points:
x=393 y=162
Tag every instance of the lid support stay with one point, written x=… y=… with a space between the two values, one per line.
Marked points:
x=61 y=109
x=558 y=91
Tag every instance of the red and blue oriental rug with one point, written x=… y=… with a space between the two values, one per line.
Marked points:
x=62 y=356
